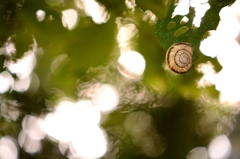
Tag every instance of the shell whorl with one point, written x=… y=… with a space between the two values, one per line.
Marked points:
x=179 y=57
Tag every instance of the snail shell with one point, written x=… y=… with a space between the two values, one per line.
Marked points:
x=179 y=57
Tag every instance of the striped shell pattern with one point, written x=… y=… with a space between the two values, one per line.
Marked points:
x=179 y=57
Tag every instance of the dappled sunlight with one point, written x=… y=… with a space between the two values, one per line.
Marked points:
x=130 y=4
x=121 y=93
x=77 y=125
x=209 y=74
x=53 y=127
x=6 y=82
x=184 y=20
x=220 y=147
x=85 y=79
x=200 y=7
x=96 y=10
x=105 y=97
x=32 y=126
x=200 y=11
x=8 y=48
x=125 y=34
x=29 y=144
x=227 y=82
x=8 y=148
x=117 y=95
x=197 y=21
x=149 y=17
x=70 y=19
x=21 y=85
x=222 y=44
x=40 y=15
x=67 y=116
x=93 y=9
x=31 y=135
x=198 y=153
x=131 y=64
x=236 y=6
x=229 y=55
x=229 y=26
x=230 y=97
x=89 y=143
x=182 y=8
x=229 y=93
x=212 y=45
x=24 y=66
x=195 y=3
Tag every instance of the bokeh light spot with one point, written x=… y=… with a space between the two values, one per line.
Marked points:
x=89 y=143
x=222 y=44
x=24 y=66
x=6 y=81
x=198 y=153
x=201 y=9
x=76 y=124
x=8 y=148
x=28 y=144
x=208 y=74
x=22 y=85
x=131 y=64
x=229 y=26
x=195 y=3
x=94 y=9
x=130 y=4
x=32 y=126
x=184 y=20
x=40 y=15
x=70 y=18
x=125 y=34
x=149 y=17
x=106 y=98
x=182 y=8
x=8 y=48
x=220 y=147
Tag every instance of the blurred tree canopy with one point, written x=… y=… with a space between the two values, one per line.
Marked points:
x=68 y=61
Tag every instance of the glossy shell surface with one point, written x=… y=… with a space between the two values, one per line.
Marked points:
x=179 y=57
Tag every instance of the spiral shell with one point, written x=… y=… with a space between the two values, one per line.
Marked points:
x=179 y=57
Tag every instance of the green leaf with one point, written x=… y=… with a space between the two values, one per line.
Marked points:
x=169 y=30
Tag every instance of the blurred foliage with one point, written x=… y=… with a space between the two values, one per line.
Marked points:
x=92 y=49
